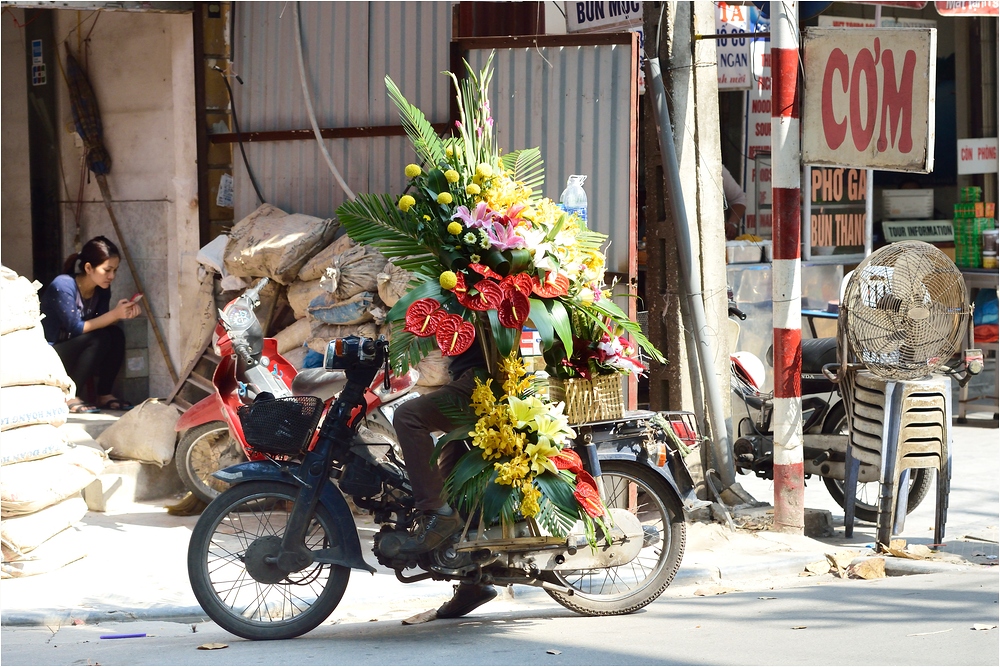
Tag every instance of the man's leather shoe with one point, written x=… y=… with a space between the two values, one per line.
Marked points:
x=467 y=597
x=430 y=531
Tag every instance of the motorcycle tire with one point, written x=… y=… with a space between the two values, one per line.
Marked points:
x=230 y=546
x=868 y=493
x=632 y=586
x=201 y=451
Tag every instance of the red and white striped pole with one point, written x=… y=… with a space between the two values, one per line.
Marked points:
x=786 y=275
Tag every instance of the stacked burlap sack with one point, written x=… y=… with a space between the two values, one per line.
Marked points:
x=42 y=474
x=335 y=287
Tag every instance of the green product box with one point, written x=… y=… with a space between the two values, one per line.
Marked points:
x=965 y=210
x=971 y=194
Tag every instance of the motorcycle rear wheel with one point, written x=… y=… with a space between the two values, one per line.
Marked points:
x=201 y=451
x=627 y=588
x=866 y=496
x=229 y=546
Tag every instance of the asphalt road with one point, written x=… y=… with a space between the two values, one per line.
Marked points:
x=915 y=620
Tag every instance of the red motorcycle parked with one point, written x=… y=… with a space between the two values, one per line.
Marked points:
x=212 y=436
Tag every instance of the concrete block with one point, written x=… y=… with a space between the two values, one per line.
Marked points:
x=817 y=523
x=137 y=363
x=110 y=491
x=135 y=390
x=136 y=332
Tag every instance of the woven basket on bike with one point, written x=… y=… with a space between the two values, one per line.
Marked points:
x=281 y=426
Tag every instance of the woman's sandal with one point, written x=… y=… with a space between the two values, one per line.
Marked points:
x=117 y=404
x=78 y=406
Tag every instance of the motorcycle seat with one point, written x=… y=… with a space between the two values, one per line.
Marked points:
x=318 y=382
x=817 y=352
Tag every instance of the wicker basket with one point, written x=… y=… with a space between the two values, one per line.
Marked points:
x=589 y=400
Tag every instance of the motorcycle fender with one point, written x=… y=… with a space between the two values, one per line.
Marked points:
x=350 y=544
x=208 y=409
x=689 y=500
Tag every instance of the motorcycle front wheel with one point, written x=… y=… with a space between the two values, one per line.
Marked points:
x=866 y=496
x=233 y=575
x=629 y=587
x=201 y=451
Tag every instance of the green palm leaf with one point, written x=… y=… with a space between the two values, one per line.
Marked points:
x=426 y=143
x=375 y=220
x=526 y=165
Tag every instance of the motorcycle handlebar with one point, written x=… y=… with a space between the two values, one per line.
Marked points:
x=736 y=312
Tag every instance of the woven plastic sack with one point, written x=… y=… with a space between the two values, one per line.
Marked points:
x=353 y=272
x=292 y=336
x=26 y=358
x=23 y=534
x=300 y=294
x=393 y=283
x=145 y=433
x=34 y=485
x=323 y=333
x=275 y=244
x=38 y=404
x=434 y=370
x=30 y=443
x=314 y=268
x=19 y=299
x=326 y=308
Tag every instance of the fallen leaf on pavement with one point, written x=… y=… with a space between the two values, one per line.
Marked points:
x=799 y=627
x=982 y=626
x=422 y=617
x=553 y=651
x=818 y=567
x=936 y=632
x=871 y=568
x=212 y=646
x=713 y=590
x=766 y=598
x=841 y=560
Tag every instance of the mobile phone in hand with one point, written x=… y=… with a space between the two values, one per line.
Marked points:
x=135 y=298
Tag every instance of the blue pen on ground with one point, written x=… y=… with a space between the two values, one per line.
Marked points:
x=125 y=636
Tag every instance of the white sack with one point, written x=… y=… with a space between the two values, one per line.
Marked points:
x=434 y=370
x=39 y=404
x=30 y=443
x=26 y=358
x=355 y=310
x=144 y=433
x=353 y=271
x=23 y=534
x=300 y=294
x=315 y=267
x=321 y=333
x=393 y=283
x=18 y=301
x=272 y=243
x=292 y=336
x=33 y=485
x=213 y=254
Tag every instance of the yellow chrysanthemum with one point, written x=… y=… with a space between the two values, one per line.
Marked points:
x=484 y=170
x=444 y=198
x=412 y=171
x=448 y=280
x=449 y=152
x=451 y=176
x=406 y=202
x=454 y=228
x=427 y=218
x=472 y=189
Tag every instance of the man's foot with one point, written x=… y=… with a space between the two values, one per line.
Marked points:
x=467 y=597
x=78 y=406
x=430 y=531
x=116 y=404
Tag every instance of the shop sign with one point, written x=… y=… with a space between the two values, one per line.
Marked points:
x=837 y=210
x=969 y=8
x=733 y=53
x=906 y=4
x=602 y=16
x=757 y=134
x=887 y=22
x=868 y=101
x=977 y=156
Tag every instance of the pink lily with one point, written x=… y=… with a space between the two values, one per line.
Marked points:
x=481 y=219
x=502 y=237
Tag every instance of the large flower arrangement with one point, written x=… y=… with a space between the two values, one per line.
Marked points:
x=490 y=254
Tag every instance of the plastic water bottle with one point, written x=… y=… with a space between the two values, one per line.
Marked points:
x=574 y=198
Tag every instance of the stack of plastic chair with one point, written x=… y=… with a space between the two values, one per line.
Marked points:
x=900 y=425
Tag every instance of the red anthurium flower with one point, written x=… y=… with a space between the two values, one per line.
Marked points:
x=552 y=289
x=489 y=297
x=586 y=494
x=460 y=289
x=514 y=310
x=485 y=271
x=454 y=335
x=422 y=316
x=568 y=459
x=518 y=282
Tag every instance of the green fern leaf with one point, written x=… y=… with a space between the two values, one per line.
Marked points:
x=526 y=165
x=426 y=143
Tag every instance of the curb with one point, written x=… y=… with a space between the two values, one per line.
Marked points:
x=62 y=617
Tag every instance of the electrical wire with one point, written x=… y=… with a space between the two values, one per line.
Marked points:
x=309 y=107
x=239 y=134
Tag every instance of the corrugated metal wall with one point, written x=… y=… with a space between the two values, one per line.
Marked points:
x=573 y=102
x=348 y=48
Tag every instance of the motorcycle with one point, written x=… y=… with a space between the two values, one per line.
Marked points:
x=212 y=436
x=271 y=557
x=824 y=427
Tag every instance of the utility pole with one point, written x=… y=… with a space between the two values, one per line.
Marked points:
x=786 y=276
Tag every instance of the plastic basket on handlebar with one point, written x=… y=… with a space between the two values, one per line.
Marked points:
x=281 y=426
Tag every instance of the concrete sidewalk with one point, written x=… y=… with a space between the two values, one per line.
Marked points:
x=135 y=563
